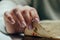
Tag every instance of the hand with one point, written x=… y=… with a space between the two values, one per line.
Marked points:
x=19 y=18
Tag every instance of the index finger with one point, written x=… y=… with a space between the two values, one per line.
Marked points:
x=34 y=15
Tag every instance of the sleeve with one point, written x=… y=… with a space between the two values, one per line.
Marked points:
x=4 y=37
x=4 y=6
x=22 y=2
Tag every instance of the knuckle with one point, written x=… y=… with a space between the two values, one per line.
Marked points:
x=15 y=10
x=5 y=14
x=33 y=8
x=26 y=6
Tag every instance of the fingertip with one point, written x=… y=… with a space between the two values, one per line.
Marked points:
x=8 y=18
x=36 y=20
x=23 y=24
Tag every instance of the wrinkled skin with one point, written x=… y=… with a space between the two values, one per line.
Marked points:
x=19 y=18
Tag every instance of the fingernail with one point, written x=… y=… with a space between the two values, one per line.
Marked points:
x=23 y=24
x=11 y=20
x=36 y=20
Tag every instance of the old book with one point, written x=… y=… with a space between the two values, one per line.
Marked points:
x=48 y=29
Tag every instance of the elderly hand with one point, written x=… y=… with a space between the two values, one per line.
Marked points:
x=19 y=18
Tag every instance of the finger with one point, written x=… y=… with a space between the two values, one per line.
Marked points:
x=9 y=18
x=18 y=16
x=17 y=22
x=21 y=19
x=34 y=15
x=27 y=18
x=9 y=22
x=33 y=12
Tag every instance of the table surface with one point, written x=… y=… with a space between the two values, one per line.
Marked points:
x=18 y=37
